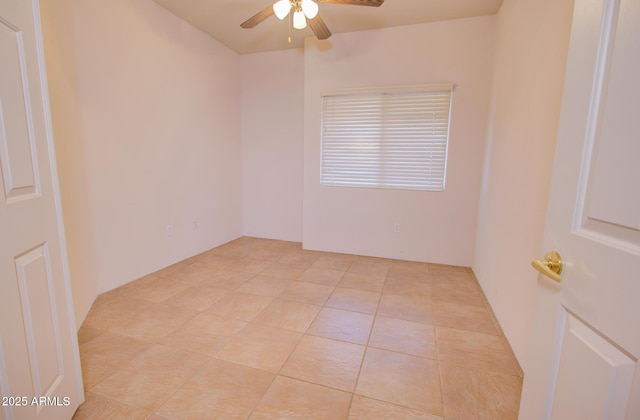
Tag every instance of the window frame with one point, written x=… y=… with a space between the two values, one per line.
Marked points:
x=385 y=94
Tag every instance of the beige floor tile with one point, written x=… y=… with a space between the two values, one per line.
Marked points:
x=159 y=290
x=340 y=262
x=93 y=373
x=369 y=268
x=475 y=350
x=107 y=296
x=154 y=323
x=434 y=277
x=408 y=267
x=193 y=274
x=220 y=390
x=270 y=253
x=316 y=294
x=325 y=362
x=205 y=334
x=284 y=271
x=249 y=265
x=298 y=258
x=110 y=349
x=342 y=325
x=144 y=390
x=463 y=317
x=192 y=403
x=363 y=408
x=407 y=285
x=290 y=398
x=87 y=333
x=461 y=275
x=409 y=308
x=478 y=394
x=261 y=347
x=113 y=311
x=162 y=311
x=264 y=286
x=197 y=298
x=404 y=336
x=362 y=282
x=455 y=292
x=401 y=379
x=322 y=276
x=226 y=279
x=205 y=323
x=204 y=344
x=354 y=300
x=163 y=360
x=215 y=262
x=287 y=314
x=97 y=407
x=241 y=306
x=317 y=335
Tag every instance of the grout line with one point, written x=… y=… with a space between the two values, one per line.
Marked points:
x=505 y=342
x=263 y=394
x=243 y=249
x=366 y=347
x=149 y=413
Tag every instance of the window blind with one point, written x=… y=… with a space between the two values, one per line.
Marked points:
x=386 y=139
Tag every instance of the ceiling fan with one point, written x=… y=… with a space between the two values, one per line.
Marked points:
x=304 y=11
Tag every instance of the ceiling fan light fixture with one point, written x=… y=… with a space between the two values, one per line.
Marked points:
x=299 y=21
x=281 y=8
x=310 y=8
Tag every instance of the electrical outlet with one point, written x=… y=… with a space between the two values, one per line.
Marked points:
x=396 y=227
x=169 y=230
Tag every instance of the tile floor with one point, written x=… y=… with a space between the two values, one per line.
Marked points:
x=262 y=329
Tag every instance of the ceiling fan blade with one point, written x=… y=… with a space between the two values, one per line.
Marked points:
x=257 y=18
x=374 y=3
x=319 y=27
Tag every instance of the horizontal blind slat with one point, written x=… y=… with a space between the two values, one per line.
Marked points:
x=385 y=140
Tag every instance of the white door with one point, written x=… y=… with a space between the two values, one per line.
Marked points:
x=583 y=360
x=39 y=364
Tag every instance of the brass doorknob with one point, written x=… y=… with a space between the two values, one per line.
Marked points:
x=551 y=265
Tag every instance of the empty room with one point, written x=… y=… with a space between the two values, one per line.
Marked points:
x=323 y=209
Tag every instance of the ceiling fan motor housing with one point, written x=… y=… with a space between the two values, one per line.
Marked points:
x=303 y=10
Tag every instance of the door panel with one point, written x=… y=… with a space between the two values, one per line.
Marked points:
x=607 y=210
x=16 y=130
x=588 y=357
x=39 y=314
x=40 y=376
x=583 y=358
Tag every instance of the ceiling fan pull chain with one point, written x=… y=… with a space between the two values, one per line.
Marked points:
x=289 y=39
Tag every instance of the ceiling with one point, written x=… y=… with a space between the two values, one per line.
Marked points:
x=222 y=18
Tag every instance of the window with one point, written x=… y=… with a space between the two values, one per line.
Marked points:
x=394 y=138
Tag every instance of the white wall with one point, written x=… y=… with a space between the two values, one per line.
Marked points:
x=434 y=226
x=530 y=55
x=146 y=117
x=153 y=128
x=272 y=86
